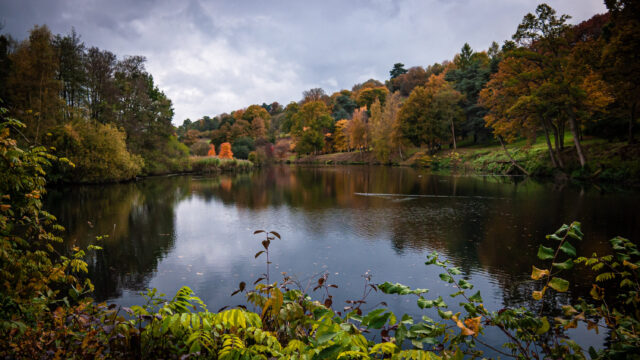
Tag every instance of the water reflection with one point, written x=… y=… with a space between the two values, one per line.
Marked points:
x=197 y=231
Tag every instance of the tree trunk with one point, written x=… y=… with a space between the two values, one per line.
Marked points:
x=632 y=121
x=513 y=161
x=556 y=137
x=453 y=135
x=549 y=146
x=561 y=135
x=576 y=140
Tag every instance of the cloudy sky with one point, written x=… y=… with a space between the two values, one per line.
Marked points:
x=211 y=57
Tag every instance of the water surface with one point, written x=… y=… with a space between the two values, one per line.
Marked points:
x=345 y=221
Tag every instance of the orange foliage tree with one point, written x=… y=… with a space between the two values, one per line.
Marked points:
x=212 y=150
x=225 y=151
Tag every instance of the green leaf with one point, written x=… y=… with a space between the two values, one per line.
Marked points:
x=545 y=253
x=455 y=271
x=564 y=265
x=568 y=249
x=563 y=228
x=424 y=303
x=445 y=314
x=464 y=284
x=375 y=319
x=389 y=288
x=554 y=237
x=446 y=277
x=439 y=302
x=544 y=327
x=559 y=284
x=476 y=297
x=330 y=352
x=326 y=337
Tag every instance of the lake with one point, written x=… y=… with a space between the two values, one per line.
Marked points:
x=345 y=221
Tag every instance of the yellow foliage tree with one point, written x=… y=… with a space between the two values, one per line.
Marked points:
x=341 y=137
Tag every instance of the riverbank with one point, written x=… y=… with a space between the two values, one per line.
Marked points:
x=210 y=164
x=607 y=162
x=192 y=165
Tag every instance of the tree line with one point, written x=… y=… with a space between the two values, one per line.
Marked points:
x=109 y=118
x=103 y=113
x=550 y=79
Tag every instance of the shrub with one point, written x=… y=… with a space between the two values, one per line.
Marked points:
x=242 y=147
x=166 y=156
x=200 y=148
x=98 y=151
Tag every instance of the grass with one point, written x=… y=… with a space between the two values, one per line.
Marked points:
x=209 y=164
x=606 y=161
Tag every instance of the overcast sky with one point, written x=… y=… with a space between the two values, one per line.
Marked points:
x=212 y=57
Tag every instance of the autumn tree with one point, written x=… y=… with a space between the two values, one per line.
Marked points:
x=357 y=129
x=259 y=119
x=421 y=119
x=282 y=148
x=100 y=88
x=341 y=136
x=405 y=83
x=446 y=108
x=71 y=52
x=212 y=150
x=367 y=96
x=33 y=85
x=310 y=124
x=566 y=87
x=225 y=151
x=539 y=85
x=289 y=112
x=391 y=116
x=315 y=94
x=382 y=127
x=374 y=124
x=371 y=83
x=620 y=57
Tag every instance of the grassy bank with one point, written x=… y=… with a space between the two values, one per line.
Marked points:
x=606 y=162
x=614 y=162
x=208 y=164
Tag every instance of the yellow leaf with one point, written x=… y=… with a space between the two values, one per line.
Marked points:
x=537 y=274
x=474 y=324
x=465 y=330
x=537 y=295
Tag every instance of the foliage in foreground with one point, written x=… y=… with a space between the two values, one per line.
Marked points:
x=44 y=312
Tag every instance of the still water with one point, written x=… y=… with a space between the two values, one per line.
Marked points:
x=348 y=221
